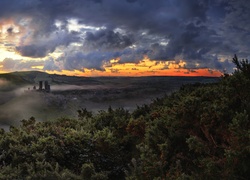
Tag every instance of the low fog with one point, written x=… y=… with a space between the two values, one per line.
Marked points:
x=63 y=101
x=22 y=103
x=77 y=87
x=3 y=83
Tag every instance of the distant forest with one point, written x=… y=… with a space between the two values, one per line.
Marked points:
x=201 y=131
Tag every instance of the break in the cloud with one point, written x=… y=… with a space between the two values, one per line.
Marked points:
x=19 y=65
x=89 y=33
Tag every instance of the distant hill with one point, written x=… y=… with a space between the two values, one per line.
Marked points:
x=22 y=78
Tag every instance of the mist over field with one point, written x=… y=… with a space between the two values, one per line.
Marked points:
x=69 y=94
x=3 y=83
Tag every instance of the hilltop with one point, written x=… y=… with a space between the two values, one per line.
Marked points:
x=31 y=77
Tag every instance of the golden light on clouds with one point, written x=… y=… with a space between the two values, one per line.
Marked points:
x=12 y=34
x=8 y=54
x=37 y=67
x=145 y=67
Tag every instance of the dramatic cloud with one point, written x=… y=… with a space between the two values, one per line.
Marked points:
x=107 y=40
x=79 y=60
x=203 y=33
x=47 y=45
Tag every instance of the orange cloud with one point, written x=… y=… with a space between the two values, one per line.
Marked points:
x=145 y=67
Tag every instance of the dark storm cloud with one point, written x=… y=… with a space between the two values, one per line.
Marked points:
x=97 y=1
x=33 y=50
x=107 y=40
x=196 y=31
x=92 y=60
x=45 y=46
x=130 y=55
x=10 y=30
x=159 y=52
x=236 y=27
x=131 y=1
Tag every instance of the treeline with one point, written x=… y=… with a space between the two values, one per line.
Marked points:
x=201 y=131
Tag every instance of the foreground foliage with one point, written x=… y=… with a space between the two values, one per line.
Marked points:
x=201 y=131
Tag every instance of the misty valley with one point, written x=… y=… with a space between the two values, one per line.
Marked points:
x=124 y=127
x=20 y=97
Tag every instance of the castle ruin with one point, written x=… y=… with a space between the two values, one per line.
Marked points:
x=44 y=86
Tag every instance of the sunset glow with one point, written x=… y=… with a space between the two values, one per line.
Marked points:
x=56 y=37
x=145 y=67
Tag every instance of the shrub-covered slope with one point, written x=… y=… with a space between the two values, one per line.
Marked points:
x=201 y=131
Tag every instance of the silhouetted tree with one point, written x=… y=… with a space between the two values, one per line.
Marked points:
x=242 y=66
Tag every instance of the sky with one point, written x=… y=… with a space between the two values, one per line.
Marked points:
x=123 y=37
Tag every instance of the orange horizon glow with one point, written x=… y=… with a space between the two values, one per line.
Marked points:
x=145 y=67
x=180 y=72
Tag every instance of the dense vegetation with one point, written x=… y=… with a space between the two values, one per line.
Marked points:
x=201 y=131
